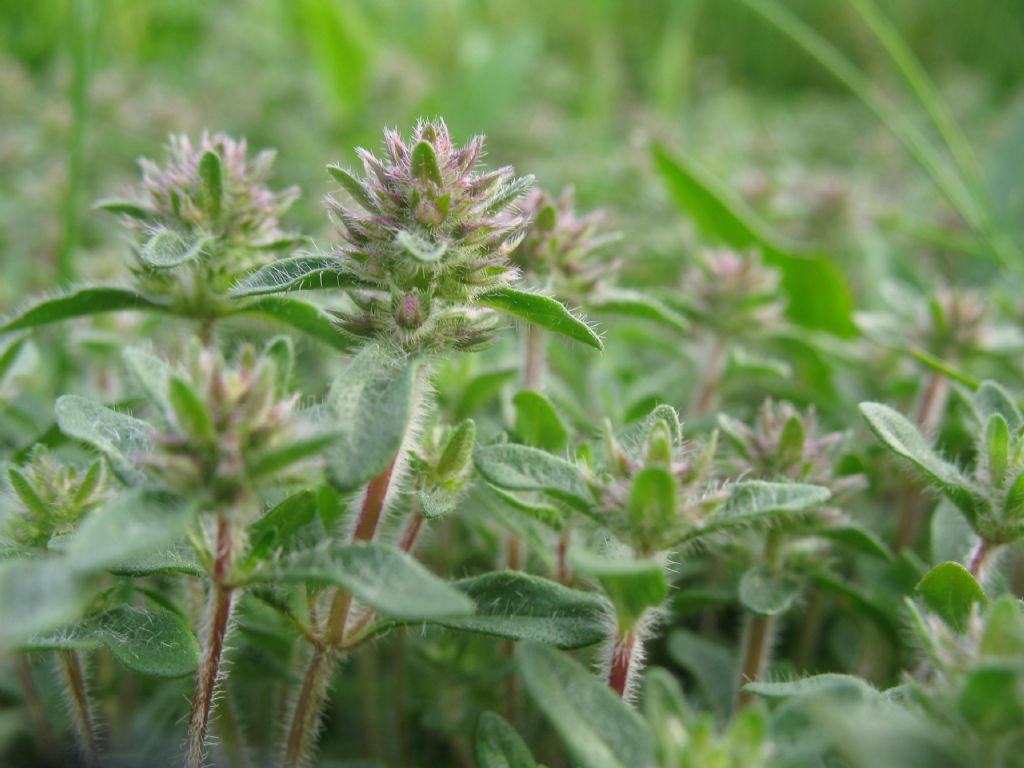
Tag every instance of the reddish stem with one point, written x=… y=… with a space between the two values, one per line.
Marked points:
x=621 y=661
x=980 y=557
x=564 y=576
x=412 y=531
x=755 y=653
x=373 y=504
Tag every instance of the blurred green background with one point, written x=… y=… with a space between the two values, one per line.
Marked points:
x=573 y=91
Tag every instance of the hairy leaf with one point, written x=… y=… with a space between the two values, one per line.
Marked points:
x=499 y=746
x=542 y=311
x=116 y=435
x=83 y=302
x=522 y=468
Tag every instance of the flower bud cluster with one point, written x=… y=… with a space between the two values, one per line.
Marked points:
x=732 y=293
x=433 y=233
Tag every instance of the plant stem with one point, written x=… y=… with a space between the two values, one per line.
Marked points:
x=564 y=575
x=980 y=557
x=621 y=662
x=81 y=709
x=757 y=642
x=33 y=703
x=412 y=529
x=305 y=717
x=534 y=358
x=218 y=620
x=711 y=377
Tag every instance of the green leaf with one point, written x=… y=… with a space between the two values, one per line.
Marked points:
x=167 y=249
x=481 y=389
x=997 y=448
x=27 y=494
x=991 y=399
x=858 y=539
x=458 y=451
x=129 y=526
x=521 y=468
x=38 y=595
x=424 y=163
x=992 y=698
x=627 y=303
x=126 y=208
x=499 y=746
x=518 y=606
x=543 y=312
x=1013 y=504
x=950 y=591
x=359 y=191
x=755 y=502
x=151 y=373
x=819 y=296
x=537 y=423
x=157 y=642
x=190 y=412
x=544 y=513
x=848 y=686
x=278 y=527
x=92 y=300
x=296 y=273
x=665 y=708
x=1003 y=635
x=598 y=728
x=116 y=435
x=420 y=248
x=903 y=438
x=712 y=666
x=652 y=500
x=173 y=558
x=273 y=461
x=632 y=585
x=381 y=576
x=372 y=403
x=768 y=592
x=302 y=316
x=212 y=176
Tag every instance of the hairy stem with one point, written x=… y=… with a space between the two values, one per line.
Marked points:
x=621 y=663
x=756 y=647
x=305 y=717
x=931 y=405
x=534 y=358
x=33 y=703
x=81 y=709
x=980 y=558
x=218 y=620
x=412 y=528
x=562 y=552
x=710 y=378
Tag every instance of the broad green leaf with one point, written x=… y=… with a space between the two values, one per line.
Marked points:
x=848 y=686
x=819 y=295
x=991 y=399
x=302 y=316
x=371 y=404
x=952 y=537
x=521 y=468
x=544 y=513
x=212 y=176
x=481 y=389
x=359 y=192
x=91 y=300
x=167 y=249
x=424 y=163
x=116 y=435
x=767 y=592
x=599 y=730
x=712 y=665
x=10 y=354
x=542 y=311
x=632 y=585
x=131 y=525
x=992 y=698
x=499 y=746
x=458 y=451
x=1003 y=635
x=38 y=595
x=666 y=710
x=297 y=273
x=537 y=423
x=381 y=576
x=627 y=303
x=997 y=448
x=905 y=440
x=518 y=606
x=172 y=558
x=277 y=528
x=950 y=591
x=157 y=642
x=755 y=502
